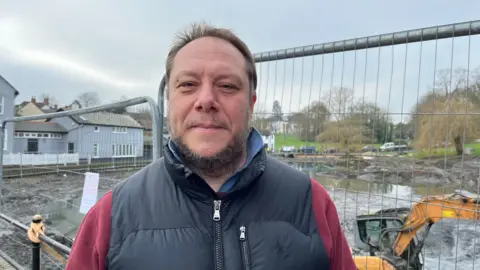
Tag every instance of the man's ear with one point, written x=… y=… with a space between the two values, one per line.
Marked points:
x=253 y=100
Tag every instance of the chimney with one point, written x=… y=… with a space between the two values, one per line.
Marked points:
x=45 y=101
x=33 y=100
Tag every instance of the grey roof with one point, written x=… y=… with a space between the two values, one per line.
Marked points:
x=15 y=90
x=39 y=127
x=145 y=119
x=107 y=119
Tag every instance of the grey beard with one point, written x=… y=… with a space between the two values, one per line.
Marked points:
x=225 y=162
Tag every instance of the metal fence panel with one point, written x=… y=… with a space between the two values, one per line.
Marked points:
x=327 y=109
x=44 y=172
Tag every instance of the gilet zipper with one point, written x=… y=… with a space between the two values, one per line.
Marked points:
x=245 y=248
x=217 y=235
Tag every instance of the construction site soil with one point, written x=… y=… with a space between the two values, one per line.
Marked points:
x=56 y=198
x=354 y=185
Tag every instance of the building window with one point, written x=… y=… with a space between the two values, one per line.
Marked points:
x=2 y=104
x=96 y=150
x=71 y=147
x=38 y=135
x=119 y=130
x=123 y=150
x=96 y=129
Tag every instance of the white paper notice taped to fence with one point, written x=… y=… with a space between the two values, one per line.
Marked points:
x=90 y=192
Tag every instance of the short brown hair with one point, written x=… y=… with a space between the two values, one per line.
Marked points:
x=200 y=30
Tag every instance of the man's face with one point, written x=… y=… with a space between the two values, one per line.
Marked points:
x=209 y=98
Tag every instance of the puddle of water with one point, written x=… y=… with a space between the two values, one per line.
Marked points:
x=66 y=216
x=315 y=170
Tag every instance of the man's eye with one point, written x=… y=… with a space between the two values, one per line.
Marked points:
x=228 y=86
x=186 y=84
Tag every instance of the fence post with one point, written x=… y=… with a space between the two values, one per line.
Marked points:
x=36 y=228
x=58 y=160
x=21 y=165
x=160 y=126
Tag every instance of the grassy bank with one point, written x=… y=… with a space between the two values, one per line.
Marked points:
x=450 y=151
x=291 y=140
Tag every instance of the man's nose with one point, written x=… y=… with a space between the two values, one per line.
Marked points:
x=206 y=98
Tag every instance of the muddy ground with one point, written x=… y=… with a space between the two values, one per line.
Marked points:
x=21 y=198
x=453 y=171
x=48 y=195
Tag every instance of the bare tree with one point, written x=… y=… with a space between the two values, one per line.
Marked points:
x=88 y=99
x=376 y=121
x=339 y=102
x=310 y=120
x=449 y=81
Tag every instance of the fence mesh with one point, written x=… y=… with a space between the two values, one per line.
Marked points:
x=44 y=171
x=382 y=127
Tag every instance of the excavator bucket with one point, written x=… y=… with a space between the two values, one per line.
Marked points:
x=371 y=263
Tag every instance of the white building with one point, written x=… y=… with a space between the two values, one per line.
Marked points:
x=269 y=141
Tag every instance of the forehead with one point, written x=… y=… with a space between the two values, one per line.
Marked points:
x=209 y=55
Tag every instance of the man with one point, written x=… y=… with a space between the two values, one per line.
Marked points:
x=215 y=200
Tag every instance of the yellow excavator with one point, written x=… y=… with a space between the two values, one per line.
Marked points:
x=395 y=237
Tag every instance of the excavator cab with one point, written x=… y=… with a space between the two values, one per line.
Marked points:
x=375 y=233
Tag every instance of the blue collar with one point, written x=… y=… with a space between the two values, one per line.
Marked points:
x=254 y=145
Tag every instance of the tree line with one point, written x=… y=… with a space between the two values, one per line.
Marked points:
x=446 y=116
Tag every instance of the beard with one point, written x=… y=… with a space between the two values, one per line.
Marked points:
x=222 y=163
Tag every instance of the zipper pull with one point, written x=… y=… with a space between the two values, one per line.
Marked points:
x=216 y=210
x=242 y=233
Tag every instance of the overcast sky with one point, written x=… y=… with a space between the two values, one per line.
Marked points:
x=118 y=47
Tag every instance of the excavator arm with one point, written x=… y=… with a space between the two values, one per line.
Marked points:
x=430 y=210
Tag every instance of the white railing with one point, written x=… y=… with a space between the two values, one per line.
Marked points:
x=40 y=159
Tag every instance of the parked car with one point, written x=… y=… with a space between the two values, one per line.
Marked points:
x=390 y=146
x=330 y=150
x=288 y=151
x=306 y=150
x=369 y=148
